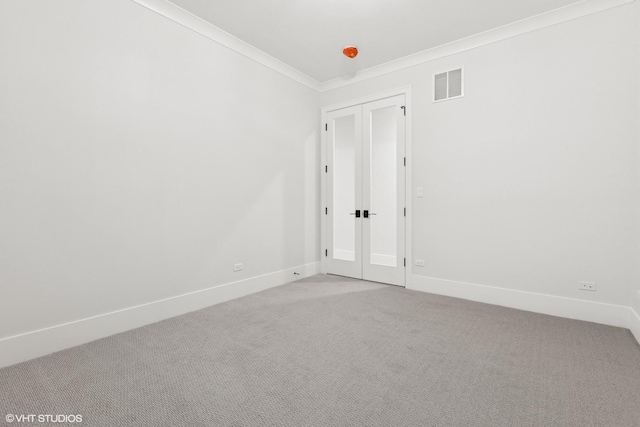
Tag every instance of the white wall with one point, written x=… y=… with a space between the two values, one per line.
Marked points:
x=530 y=179
x=140 y=161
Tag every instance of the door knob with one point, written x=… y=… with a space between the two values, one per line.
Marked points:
x=367 y=213
x=356 y=213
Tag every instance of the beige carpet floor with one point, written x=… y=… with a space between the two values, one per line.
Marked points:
x=330 y=351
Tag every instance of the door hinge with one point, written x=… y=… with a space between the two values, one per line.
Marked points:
x=326 y=169
x=405 y=161
x=405 y=262
x=405 y=211
x=404 y=110
x=326 y=252
x=326 y=127
x=326 y=211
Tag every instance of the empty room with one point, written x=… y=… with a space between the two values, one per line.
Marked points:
x=320 y=213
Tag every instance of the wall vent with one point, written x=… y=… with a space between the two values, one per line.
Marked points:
x=448 y=85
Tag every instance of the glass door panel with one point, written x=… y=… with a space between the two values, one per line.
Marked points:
x=344 y=188
x=384 y=171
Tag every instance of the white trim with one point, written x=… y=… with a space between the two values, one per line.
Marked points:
x=447 y=99
x=408 y=197
x=606 y=314
x=406 y=91
x=204 y=28
x=19 y=348
x=527 y=25
x=324 y=161
x=344 y=255
x=634 y=323
x=387 y=260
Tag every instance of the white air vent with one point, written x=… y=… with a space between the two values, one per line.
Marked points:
x=447 y=85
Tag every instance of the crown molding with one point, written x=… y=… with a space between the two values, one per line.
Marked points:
x=204 y=28
x=534 y=23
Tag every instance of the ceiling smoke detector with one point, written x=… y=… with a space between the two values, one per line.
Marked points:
x=350 y=51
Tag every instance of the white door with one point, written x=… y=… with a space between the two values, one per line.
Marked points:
x=365 y=191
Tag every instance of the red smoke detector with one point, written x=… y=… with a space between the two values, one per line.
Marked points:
x=350 y=51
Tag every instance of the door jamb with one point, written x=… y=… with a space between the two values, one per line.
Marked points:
x=406 y=91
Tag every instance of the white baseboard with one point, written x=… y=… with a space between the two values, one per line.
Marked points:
x=634 y=324
x=19 y=348
x=606 y=314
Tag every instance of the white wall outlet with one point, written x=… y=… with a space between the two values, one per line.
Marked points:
x=237 y=267
x=587 y=286
x=419 y=263
x=419 y=192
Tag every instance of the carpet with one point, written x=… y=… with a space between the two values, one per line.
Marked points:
x=332 y=351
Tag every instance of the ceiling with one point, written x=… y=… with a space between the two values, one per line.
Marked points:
x=309 y=35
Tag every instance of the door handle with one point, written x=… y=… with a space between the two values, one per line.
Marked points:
x=356 y=213
x=367 y=213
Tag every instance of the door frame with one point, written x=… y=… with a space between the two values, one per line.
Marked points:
x=406 y=91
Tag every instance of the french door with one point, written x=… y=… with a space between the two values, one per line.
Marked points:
x=366 y=191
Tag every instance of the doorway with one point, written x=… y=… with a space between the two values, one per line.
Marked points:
x=365 y=190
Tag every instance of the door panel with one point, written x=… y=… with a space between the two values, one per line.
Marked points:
x=383 y=190
x=345 y=183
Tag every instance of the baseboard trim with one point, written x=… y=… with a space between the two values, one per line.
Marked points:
x=606 y=314
x=634 y=323
x=30 y=345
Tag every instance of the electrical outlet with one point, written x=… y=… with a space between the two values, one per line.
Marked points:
x=587 y=286
x=419 y=263
x=419 y=192
x=237 y=267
